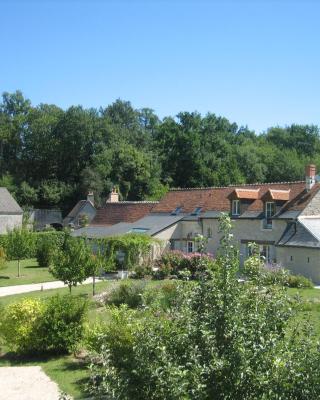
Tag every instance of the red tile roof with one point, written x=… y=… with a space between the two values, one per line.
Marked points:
x=279 y=194
x=122 y=211
x=218 y=199
x=247 y=193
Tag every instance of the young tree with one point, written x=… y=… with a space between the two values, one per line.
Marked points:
x=71 y=263
x=95 y=265
x=19 y=241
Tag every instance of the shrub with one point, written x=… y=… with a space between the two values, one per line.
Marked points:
x=32 y=326
x=45 y=251
x=141 y=271
x=126 y=292
x=61 y=327
x=299 y=281
x=3 y=258
x=18 y=324
x=162 y=296
x=179 y=264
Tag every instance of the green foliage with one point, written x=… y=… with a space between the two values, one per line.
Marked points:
x=135 y=150
x=31 y=326
x=220 y=339
x=136 y=249
x=61 y=327
x=72 y=261
x=45 y=251
x=18 y=323
x=126 y=292
x=3 y=258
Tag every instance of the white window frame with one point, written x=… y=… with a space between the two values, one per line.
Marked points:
x=190 y=246
x=235 y=207
x=269 y=213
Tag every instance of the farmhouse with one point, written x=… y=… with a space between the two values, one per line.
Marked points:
x=10 y=211
x=282 y=218
x=82 y=213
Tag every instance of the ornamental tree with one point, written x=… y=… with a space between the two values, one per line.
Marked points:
x=19 y=241
x=72 y=261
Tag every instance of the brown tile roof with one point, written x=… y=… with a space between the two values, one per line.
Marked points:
x=280 y=194
x=247 y=193
x=218 y=198
x=122 y=211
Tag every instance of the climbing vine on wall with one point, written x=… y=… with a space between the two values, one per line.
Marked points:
x=134 y=248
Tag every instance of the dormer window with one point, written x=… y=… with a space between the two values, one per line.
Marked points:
x=235 y=207
x=270 y=210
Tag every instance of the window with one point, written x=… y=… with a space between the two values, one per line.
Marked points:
x=190 y=247
x=235 y=207
x=308 y=259
x=265 y=253
x=291 y=258
x=209 y=233
x=172 y=246
x=196 y=211
x=269 y=213
x=177 y=211
x=139 y=230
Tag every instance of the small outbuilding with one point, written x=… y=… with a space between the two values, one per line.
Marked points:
x=10 y=212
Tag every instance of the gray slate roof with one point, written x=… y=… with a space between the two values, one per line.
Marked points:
x=297 y=235
x=8 y=205
x=152 y=223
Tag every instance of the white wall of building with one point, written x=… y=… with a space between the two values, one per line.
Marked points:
x=8 y=222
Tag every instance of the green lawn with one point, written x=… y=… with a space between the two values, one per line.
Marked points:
x=30 y=273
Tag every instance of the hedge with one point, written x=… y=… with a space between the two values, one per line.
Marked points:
x=57 y=238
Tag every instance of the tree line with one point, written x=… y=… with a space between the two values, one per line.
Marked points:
x=50 y=157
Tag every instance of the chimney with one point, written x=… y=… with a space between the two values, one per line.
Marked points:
x=310 y=176
x=113 y=196
x=90 y=197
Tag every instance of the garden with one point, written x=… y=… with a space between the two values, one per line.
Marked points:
x=182 y=327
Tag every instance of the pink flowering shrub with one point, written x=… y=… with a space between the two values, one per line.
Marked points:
x=179 y=264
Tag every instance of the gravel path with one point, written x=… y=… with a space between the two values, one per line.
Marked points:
x=9 y=290
x=26 y=383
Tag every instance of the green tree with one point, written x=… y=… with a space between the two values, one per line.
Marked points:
x=19 y=241
x=71 y=263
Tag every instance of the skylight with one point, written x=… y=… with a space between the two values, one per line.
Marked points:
x=196 y=211
x=177 y=211
x=139 y=230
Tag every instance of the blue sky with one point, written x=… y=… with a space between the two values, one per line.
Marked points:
x=254 y=62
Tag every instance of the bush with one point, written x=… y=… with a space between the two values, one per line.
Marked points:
x=162 y=296
x=18 y=324
x=61 y=327
x=45 y=251
x=141 y=271
x=32 y=326
x=56 y=238
x=126 y=292
x=3 y=258
x=179 y=264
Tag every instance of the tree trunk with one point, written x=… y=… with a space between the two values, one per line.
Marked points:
x=18 y=268
x=93 y=285
x=70 y=286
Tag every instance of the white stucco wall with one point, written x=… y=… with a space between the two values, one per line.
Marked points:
x=8 y=222
x=300 y=260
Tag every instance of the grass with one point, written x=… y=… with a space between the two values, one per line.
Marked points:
x=30 y=273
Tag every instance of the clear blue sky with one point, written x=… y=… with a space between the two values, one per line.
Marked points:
x=254 y=62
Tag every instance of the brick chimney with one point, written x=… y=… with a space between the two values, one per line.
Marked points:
x=90 y=197
x=113 y=196
x=310 y=176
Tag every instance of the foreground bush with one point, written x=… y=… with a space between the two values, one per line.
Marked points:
x=53 y=326
x=221 y=340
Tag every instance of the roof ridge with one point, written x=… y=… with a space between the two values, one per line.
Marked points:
x=132 y=202
x=235 y=186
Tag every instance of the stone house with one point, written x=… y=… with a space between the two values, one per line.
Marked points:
x=282 y=218
x=83 y=212
x=10 y=212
